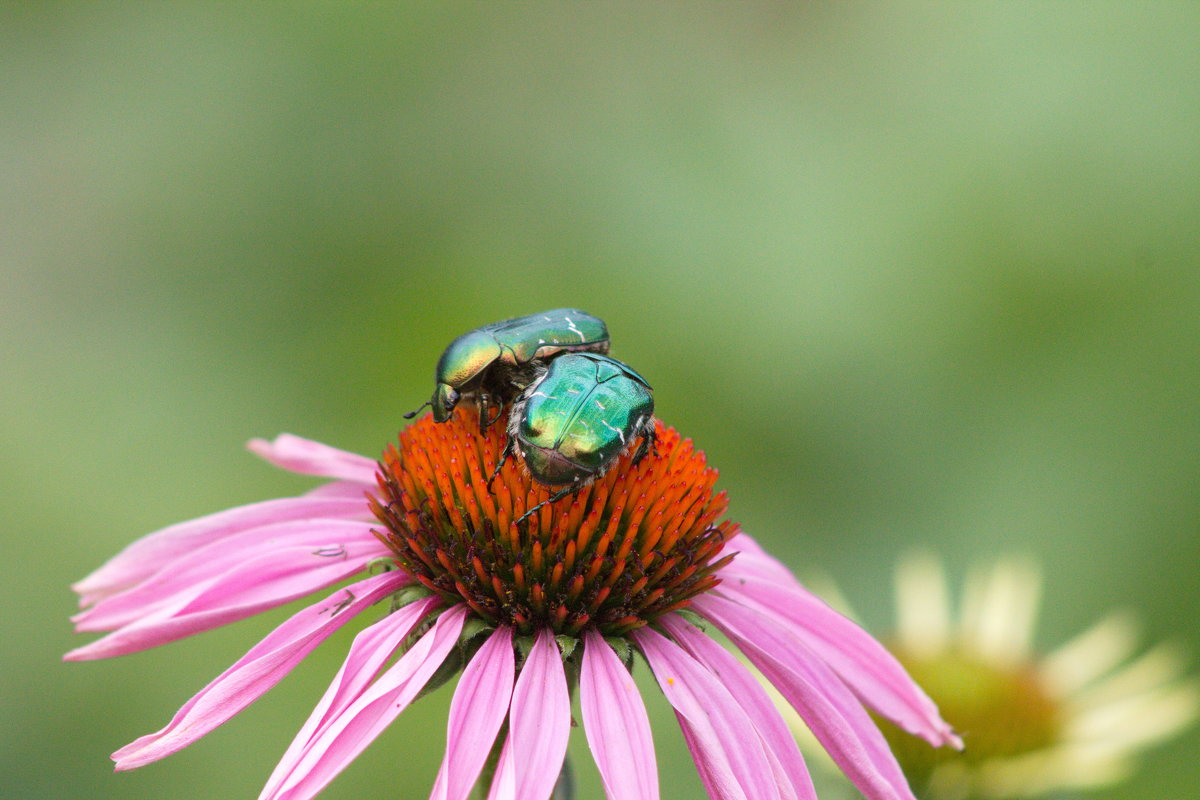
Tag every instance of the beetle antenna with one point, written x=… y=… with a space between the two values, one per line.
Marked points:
x=553 y=498
x=413 y=413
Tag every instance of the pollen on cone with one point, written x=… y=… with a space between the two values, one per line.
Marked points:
x=637 y=542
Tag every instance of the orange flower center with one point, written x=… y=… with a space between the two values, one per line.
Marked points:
x=636 y=543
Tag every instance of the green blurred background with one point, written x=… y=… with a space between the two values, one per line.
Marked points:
x=910 y=276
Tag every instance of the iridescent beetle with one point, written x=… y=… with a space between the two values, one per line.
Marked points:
x=576 y=418
x=495 y=362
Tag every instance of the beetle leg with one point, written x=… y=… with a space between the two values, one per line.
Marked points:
x=499 y=413
x=486 y=420
x=553 y=498
x=649 y=439
x=482 y=406
x=504 y=454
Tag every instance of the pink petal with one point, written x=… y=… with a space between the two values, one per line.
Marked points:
x=791 y=773
x=348 y=734
x=831 y=711
x=265 y=582
x=260 y=669
x=152 y=552
x=749 y=550
x=342 y=490
x=615 y=721
x=695 y=748
x=313 y=458
x=316 y=542
x=539 y=720
x=477 y=711
x=723 y=740
x=862 y=662
x=371 y=649
x=504 y=782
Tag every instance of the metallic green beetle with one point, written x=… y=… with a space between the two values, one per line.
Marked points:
x=573 y=422
x=497 y=361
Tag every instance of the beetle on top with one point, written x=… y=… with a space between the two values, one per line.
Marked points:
x=495 y=362
x=571 y=424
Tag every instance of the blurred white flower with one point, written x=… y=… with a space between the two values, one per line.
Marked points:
x=1032 y=724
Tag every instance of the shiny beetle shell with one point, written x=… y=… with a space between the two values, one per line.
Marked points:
x=492 y=362
x=573 y=422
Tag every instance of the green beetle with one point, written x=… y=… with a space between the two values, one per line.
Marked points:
x=497 y=361
x=576 y=418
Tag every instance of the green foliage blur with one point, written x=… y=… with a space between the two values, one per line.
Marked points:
x=910 y=276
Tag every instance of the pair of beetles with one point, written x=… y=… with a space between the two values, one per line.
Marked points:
x=574 y=410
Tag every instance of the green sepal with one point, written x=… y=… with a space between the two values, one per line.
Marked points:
x=385 y=563
x=470 y=639
x=694 y=618
x=474 y=626
x=474 y=633
x=408 y=594
x=566 y=645
x=448 y=669
x=623 y=649
x=524 y=645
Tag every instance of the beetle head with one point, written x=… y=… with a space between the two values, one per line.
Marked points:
x=445 y=398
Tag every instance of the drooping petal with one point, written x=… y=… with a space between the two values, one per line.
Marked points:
x=616 y=724
x=371 y=649
x=343 y=490
x=539 y=720
x=828 y=707
x=696 y=749
x=750 y=552
x=343 y=737
x=480 y=703
x=313 y=543
x=152 y=552
x=244 y=590
x=261 y=668
x=779 y=742
x=722 y=738
x=504 y=782
x=307 y=457
x=753 y=579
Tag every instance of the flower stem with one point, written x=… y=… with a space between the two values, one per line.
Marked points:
x=565 y=788
x=488 y=774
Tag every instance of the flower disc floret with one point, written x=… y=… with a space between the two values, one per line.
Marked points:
x=635 y=544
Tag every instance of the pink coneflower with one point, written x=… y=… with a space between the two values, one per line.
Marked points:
x=585 y=585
